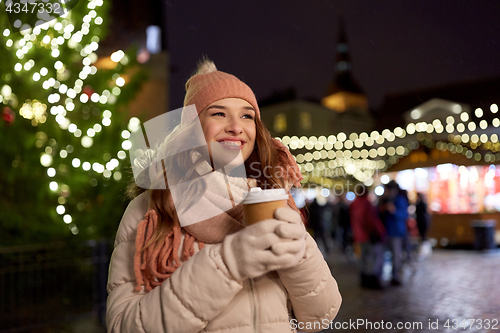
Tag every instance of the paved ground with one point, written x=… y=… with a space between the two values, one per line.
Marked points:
x=452 y=284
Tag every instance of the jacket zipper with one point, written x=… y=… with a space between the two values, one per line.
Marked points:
x=254 y=304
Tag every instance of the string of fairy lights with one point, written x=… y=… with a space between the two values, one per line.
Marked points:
x=361 y=155
x=51 y=35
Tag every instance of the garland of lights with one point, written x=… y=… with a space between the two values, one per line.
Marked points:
x=363 y=163
x=62 y=101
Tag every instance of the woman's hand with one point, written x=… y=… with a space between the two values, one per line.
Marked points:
x=265 y=246
x=293 y=233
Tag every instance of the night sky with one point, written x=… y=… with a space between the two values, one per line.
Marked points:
x=395 y=45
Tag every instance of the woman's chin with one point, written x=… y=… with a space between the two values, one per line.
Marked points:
x=228 y=164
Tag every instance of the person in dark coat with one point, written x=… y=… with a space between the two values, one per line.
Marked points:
x=422 y=216
x=394 y=213
x=318 y=223
x=369 y=232
x=423 y=224
x=344 y=224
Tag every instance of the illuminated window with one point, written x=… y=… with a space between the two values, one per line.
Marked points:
x=305 y=120
x=280 y=123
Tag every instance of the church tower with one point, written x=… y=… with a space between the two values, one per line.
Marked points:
x=344 y=93
x=344 y=109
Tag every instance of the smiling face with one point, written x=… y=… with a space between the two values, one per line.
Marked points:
x=231 y=123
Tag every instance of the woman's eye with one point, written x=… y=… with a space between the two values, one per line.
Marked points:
x=218 y=114
x=248 y=116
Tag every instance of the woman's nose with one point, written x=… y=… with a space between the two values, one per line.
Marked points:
x=234 y=126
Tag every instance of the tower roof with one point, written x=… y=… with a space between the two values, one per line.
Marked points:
x=343 y=80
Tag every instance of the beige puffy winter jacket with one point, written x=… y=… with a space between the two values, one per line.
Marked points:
x=200 y=296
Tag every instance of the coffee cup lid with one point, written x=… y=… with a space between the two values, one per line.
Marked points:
x=258 y=195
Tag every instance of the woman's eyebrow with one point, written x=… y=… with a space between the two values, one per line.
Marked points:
x=222 y=107
x=249 y=108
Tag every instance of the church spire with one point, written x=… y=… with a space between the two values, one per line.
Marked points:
x=344 y=92
x=343 y=80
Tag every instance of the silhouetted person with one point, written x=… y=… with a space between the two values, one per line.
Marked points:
x=331 y=218
x=369 y=232
x=423 y=223
x=318 y=223
x=394 y=213
x=407 y=244
x=422 y=216
x=344 y=223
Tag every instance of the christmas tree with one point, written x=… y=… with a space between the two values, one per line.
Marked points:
x=64 y=126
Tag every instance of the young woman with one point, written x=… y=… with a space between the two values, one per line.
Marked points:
x=184 y=260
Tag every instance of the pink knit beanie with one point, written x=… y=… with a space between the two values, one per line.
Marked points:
x=209 y=85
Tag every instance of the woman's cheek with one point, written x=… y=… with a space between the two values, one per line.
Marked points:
x=209 y=130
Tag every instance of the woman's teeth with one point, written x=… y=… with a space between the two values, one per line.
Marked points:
x=231 y=143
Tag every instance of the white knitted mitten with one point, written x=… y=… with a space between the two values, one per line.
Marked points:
x=293 y=231
x=265 y=246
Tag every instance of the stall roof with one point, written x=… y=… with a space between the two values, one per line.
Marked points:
x=425 y=157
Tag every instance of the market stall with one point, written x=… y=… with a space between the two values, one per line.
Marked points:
x=463 y=200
